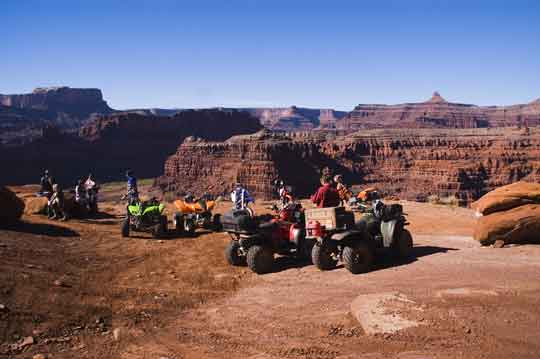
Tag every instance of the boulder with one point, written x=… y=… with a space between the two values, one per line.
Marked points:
x=508 y=197
x=517 y=225
x=11 y=206
x=35 y=205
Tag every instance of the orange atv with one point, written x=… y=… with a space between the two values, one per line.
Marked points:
x=193 y=214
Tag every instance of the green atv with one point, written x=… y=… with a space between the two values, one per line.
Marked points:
x=145 y=216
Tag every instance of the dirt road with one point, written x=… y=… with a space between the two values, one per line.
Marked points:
x=178 y=298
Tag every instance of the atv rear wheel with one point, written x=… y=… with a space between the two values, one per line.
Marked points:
x=260 y=259
x=321 y=255
x=403 y=244
x=233 y=255
x=125 y=227
x=358 y=259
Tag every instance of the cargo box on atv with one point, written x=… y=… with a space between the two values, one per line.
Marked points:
x=331 y=218
x=238 y=222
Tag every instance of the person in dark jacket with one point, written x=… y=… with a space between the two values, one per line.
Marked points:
x=327 y=195
x=132 y=190
x=46 y=184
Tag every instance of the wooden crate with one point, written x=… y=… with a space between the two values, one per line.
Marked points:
x=330 y=218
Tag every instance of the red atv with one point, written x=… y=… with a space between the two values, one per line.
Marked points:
x=255 y=240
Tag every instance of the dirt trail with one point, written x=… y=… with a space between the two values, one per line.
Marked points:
x=178 y=298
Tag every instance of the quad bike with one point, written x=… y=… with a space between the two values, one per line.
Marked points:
x=192 y=215
x=338 y=238
x=255 y=240
x=145 y=216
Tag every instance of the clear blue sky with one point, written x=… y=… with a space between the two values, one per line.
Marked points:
x=165 y=53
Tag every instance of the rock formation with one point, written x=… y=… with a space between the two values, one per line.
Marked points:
x=108 y=145
x=439 y=113
x=295 y=118
x=409 y=164
x=76 y=103
x=11 y=206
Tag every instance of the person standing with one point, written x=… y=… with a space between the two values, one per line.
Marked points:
x=46 y=184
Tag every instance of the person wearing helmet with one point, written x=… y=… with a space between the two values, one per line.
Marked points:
x=240 y=197
x=56 y=203
x=132 y=190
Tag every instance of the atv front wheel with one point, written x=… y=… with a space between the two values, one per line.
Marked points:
x=321 y=255
x=306 y=249
x=260 y=259
x=178 y=223
x=233 y=255
x=189 y=227
x=403 y=244
x=125 y=227
x=161 y=229
x=358 y=259
x=216 y=223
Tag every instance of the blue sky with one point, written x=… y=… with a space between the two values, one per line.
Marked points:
x=335 y=54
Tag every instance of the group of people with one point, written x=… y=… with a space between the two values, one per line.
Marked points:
x=332 y=193
x=85 y=195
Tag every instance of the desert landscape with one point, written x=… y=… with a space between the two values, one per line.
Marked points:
x=270 y=179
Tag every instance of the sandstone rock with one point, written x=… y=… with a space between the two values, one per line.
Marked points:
x=11 y=206
x=517 y=225
x=127 y=140
x=35 y=205
x=439 y=113
x=508 y=197
x=411 y=165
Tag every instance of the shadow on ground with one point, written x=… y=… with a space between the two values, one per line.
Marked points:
x=45 y=229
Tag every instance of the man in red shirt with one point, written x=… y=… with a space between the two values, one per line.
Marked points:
x=327 y=195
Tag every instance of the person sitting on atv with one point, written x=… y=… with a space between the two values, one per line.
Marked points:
x=132 y=190
x=241 y=197
x=327 y=195
x=46 y=184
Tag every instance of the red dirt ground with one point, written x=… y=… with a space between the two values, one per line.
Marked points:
x=177 y=298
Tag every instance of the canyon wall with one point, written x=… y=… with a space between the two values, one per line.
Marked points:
x=409 y=164
x=438 y=113
x=107 y=146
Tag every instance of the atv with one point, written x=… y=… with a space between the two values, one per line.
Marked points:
x=339 y=238
x=255 y=240
x=145 y=216
x=192 y=215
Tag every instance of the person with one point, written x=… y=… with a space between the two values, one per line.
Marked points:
x=343 y=191
x=80 y=193
x=285 y=196
x=91 y=187
x=327 y=195
x=56 y=203
x=132 y=190
x=241 y=197
x=46 y=184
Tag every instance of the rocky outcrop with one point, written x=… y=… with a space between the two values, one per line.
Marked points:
x=296 y=118
x=409 y=164
x=439 y=113
x=108 y=145
x=77 y=103
x=11 y=206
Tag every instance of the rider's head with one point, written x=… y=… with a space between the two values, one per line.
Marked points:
x=90 y=176
x=129 y=173
x=46 y=172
